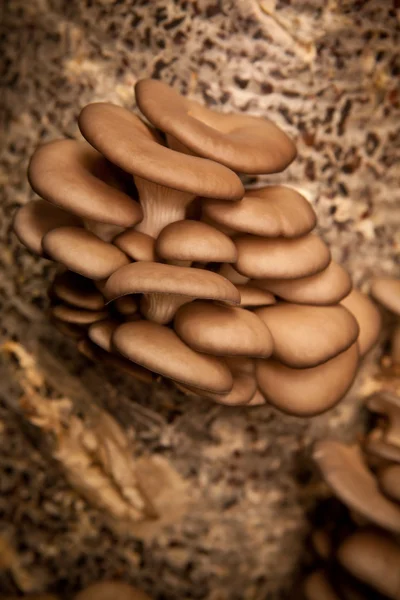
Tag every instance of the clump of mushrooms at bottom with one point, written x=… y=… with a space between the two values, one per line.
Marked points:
x=171 y=268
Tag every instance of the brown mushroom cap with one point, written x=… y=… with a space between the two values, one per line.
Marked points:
x=101 y=333
x=306 y=336
x=326 y=287
x=374 y=558
x=77 y=290
x=307 y=392
x=82 y=252
x=386 y=291
x=281 y=258
x=149 y=278
x=111 y=590
x=368 y=318
x=35 y=219
x=126 y=305
x=137 y=245
x=245 y=144
x=195 y=241
x=78 y=316
x=222 y=330
x=274 y=211
x=389 y=482
x=75 y=177
x=317 y=587
x=387 y=405
x=243 y=390
x=159 y=349
x=71 y=330
x=344 y=470
x=254 y=296
x=127 y=142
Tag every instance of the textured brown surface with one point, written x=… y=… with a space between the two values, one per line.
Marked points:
x=328 y=73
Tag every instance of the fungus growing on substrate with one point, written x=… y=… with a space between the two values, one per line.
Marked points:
x=175 y=270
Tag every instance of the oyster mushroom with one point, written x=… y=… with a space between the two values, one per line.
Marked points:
x=166 y=287
x=280 y=258
x=368 y=318
x=306 y=336
x=167 y=181
x=243 y=143
x=307 y=392
x=77 y=316
x=159 y=349
x=76 y=290
x=75 y=177
x=101 y=333
x=274 y=211
x=111 y=590
x=137 y=245
x=251 y=296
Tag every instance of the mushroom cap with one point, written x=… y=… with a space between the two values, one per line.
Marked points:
x=195 y=241
x=273 y=211
x=254 y=296
x=344 y=470
x=148 y=277
x=111 y=590
x=281 y=258
x=75 y=177
x=83 y=252
x=389 y=482
x=243 y=143
x=101 y=332
x=373 y=557
x=227 y=271
x=307 y=392
x=126 y=305
x=77 y=290
x=243 y=390
x=33 y=220
x=326 y=287
x=71 y=330
x=137 y=245
x=127 y=142
x=79 y=316
x=159 y=349
x=318 y=587
x=386 y=291
x=222 y=330
x=306 y=336
x=368 y=318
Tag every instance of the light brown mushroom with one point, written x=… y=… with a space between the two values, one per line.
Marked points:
x=111 y=590
x=184 y=242
x=253 y=296
x=243 y=390
x=77 y=291
x=307 y=392
x=273 y=211
x=167 y=181
x=373 y=557
x=75 y=177
x=83 y=252
x=101 y=332
x=227 y=271
x=126 y=305
x=306 y=336
x=345 y=471
x=326 y=287
x=35 y=219
x=137 y=245
x=78 y=316
x=166 y=287
x=387 y=405
x=368 y=318
x=244 y=143
x=386 y=291
x=318 y=587
x=159 y=349
x=222 y=330
x=261 y=258
x=389 y=482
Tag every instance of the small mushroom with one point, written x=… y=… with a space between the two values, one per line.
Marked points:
x=307 y=392
x=318 y=587
x=77 y=291
x=373 y=557
x=35 y=219
x=368 y=318
x=222 y=330
x=346 y=473
x=137 y=245
x=389 y=482
x=101 y=333
x=184 y=242
x=251 y=296
x=167 y=181
x=78 y=316
x=159 y=349
x=244 y=143
x=82 y=252
x=227 y=271
x=274 y=211
x=280 y=258
x=327 y=287
x=387 y=405
x=111 y=590
x=126 y=305
x=166 y=287
x=306 y=336
x=243 y=390
x=75 y=177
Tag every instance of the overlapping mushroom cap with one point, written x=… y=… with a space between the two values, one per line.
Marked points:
x=173 y=269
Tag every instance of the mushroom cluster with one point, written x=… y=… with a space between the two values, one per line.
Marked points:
x=173 y=269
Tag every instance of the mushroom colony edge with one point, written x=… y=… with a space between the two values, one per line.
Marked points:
x=170 y=267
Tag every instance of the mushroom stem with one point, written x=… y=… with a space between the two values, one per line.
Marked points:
x=161 y=206
x=161 y=308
